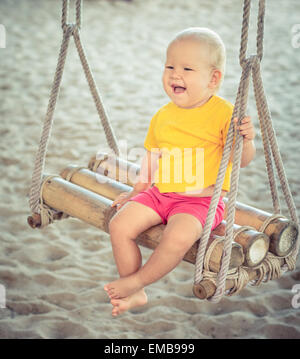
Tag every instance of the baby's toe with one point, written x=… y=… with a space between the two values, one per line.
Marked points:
x=115 y=302
x=115 y=312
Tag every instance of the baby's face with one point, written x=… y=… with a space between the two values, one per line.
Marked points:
x=187 y=77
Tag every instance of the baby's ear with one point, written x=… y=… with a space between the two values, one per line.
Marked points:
x=215 y=78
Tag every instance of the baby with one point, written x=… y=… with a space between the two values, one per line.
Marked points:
x=184 y=144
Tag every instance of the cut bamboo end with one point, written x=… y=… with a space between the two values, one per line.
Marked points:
x=282 y=232
x=255 y=244
x=217 y=243
x=34 y=220
x=204 y=290
x=283 y=236
x=258 y=250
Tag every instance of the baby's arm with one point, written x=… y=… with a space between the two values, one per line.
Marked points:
x=248 y=153
x=247 y=131
x=148 y=168
x=144 y=181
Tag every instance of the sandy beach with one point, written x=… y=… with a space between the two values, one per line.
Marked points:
x=54 y=277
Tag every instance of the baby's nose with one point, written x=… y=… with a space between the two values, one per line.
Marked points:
x=175 y=74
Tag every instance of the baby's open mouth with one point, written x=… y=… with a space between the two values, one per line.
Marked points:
x=178 y=89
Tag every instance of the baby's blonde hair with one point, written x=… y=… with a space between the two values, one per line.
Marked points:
x=214 y=43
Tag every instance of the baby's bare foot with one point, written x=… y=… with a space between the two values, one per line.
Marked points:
x=124 y=287
x=122 y=305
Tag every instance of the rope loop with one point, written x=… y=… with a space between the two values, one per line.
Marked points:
x=47 y=213
x=260 y=29
x=65 y=12
x=245 y=31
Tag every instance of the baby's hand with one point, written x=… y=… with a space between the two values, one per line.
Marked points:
x=246 y=128
x=121 y=200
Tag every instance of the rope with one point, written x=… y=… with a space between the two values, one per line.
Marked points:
x=269 y=269
x=238 y=275
x=94 y=164
x=249 y=65
x=40 y=157
x=68 y=31
x=269 y=220
x=242 y=229
x=47 y=214
x=110 y=138
x=72 y=172
x=210 y=250
x=239 y=111
x=240 y=281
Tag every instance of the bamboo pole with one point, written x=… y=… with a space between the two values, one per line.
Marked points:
x=115 y=167
x=35 y=220
x=96 y=210
x=282 y=232
x=206 y=288
x=255 y=244
x=95 y=182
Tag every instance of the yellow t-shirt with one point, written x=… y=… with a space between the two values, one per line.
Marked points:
x=191 y=142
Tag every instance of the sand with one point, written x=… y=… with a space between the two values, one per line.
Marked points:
x=54 y=277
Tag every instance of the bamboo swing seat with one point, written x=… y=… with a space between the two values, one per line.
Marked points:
x=81 y=193
x=249 y=246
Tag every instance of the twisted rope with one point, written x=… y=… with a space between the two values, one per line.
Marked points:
x=209 y=252
x=40 y=156
x=249 y=65
x=269 y=220
x=68 y=31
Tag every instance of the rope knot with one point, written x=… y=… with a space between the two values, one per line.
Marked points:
x=250 y=62
x=71 y=29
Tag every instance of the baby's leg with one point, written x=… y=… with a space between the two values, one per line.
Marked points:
x=130 y=221
x=179 y=235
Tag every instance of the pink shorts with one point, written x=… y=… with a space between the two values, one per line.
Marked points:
x=169 y=203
